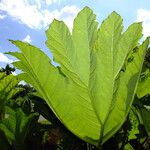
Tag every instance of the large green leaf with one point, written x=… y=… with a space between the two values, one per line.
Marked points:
x=126 y=90
x=67 y=49
x=93 y=88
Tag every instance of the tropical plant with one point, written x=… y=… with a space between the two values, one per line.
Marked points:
x=14 y=124
x=92 y=89
x=144 y=86
x=8 y=70
x=15 y=127
x=7 y=90
x=142 y=101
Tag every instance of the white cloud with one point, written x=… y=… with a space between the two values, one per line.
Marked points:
x=67 y=14
x=27 y=39
x=34 y=16
x=2 y=16
x=49 y=2
x=5 y=59
x=22 y=11
x=144 y=16
x=70 y=12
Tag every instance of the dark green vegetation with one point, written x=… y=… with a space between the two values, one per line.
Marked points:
x=99 y=92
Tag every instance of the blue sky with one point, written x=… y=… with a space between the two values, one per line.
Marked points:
x=27 y=20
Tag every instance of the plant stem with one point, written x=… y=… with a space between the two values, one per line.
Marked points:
x=100 y=147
